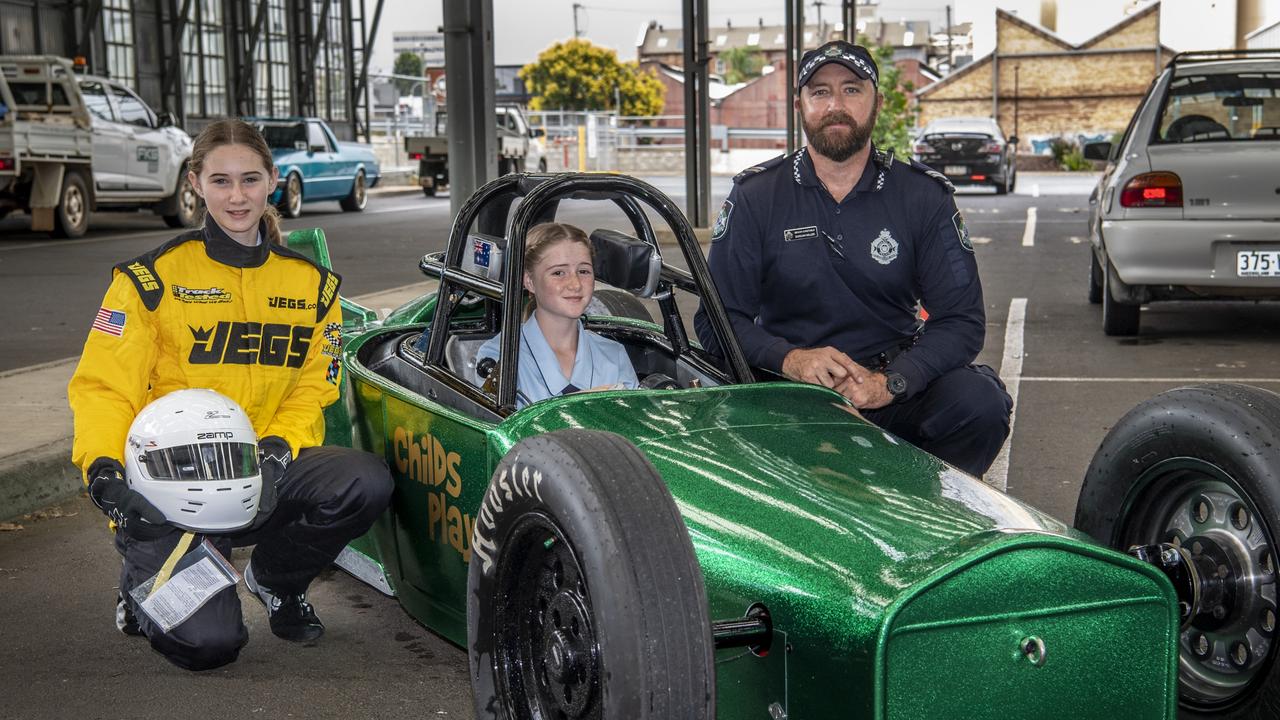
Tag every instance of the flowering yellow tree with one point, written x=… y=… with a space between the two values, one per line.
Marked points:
x=577 y=75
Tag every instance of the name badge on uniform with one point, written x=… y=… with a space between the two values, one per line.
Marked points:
x=800 y=233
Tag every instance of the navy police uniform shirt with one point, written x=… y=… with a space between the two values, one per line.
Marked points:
x=796 y=269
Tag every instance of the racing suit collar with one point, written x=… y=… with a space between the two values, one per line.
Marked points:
x=220 y=246
x=873 y=174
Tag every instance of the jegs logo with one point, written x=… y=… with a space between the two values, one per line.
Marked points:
x=288 y=303
x=145 y=277
x=200 y=295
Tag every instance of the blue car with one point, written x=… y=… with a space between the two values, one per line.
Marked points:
x=314 y=166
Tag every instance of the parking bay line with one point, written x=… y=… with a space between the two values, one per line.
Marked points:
x=1011 y=374
x=1029 y=234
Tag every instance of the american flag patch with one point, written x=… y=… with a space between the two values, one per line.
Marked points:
x=109 y=321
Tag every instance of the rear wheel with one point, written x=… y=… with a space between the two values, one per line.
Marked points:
x=1118 y=318
x=359 y=196
x=429 y=191
x=71 y=217
x=584 y=596
x=1095 y=279
x=1199 y=467
x=291 y=199
x=619 y=303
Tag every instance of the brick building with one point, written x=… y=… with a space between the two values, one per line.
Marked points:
x=1040 y=86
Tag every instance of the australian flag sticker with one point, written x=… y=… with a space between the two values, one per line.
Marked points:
x=957 y=221
x=481 y=257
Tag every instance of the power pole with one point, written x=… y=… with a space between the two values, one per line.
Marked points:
x=576 y=32
x=950 y=56
x=821 y=35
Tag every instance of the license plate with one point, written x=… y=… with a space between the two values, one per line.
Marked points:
x=955 y=170
x=1258 y=263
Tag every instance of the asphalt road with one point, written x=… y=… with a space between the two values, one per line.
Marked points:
x=58 y=572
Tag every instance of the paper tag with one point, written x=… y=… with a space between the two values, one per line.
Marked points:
x=184 y=593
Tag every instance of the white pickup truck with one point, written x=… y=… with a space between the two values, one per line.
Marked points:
x=71 y=144
x=520 y=148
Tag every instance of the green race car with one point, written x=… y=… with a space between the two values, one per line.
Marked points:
x=726 y=543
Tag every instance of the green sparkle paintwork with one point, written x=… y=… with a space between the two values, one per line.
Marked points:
x=900 y=587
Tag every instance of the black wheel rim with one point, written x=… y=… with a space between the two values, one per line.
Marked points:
x=546 y=655
x=1226 y=650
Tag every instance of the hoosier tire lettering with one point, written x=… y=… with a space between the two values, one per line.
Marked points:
x=505 y=488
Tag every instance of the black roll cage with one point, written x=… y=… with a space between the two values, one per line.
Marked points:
x=486 y=211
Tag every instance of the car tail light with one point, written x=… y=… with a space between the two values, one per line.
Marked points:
x=979 y=177
x=415 y=156
x=921 y=148
x=1155 y=189
x=994 y=147
x=6 y=163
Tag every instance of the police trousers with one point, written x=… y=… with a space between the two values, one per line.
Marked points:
x=327 y=497
x=962 y=417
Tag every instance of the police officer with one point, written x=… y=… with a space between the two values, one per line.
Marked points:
x=823 y=256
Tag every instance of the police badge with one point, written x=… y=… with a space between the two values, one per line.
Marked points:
x=884 y=249
x=957 y=221
x=722 y=221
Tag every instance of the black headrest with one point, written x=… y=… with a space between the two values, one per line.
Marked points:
x=626 y=262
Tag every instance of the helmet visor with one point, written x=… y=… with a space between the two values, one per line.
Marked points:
x=204 y=461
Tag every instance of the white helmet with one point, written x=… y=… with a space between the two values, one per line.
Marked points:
x=194 y=455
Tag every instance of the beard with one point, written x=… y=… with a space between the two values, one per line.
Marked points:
x=840 y=145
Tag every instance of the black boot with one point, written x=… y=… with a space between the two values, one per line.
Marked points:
x=291 y=616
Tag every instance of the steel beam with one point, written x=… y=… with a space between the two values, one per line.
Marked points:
x=697 y=111
x=172 y=74
x=468 y=53
x=309 y=69
x=362 y=80
x=243 y=95
x=92 y=14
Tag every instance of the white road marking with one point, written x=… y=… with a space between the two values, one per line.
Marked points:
x=1029 y=234
x=1035 y=190
x=1011 y=374
x=978 y=240
x=1197 y=380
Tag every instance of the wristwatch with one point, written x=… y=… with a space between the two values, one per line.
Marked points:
x=895 y=384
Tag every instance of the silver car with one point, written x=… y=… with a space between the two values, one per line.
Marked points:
x=1189 y=204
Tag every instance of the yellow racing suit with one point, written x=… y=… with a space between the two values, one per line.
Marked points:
x=261 y=325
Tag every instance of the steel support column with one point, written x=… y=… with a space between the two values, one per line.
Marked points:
x=697 y=113
x=172 y=74
x=92 y=16
x=362 y=80
x=244 y=83
x=468 y=53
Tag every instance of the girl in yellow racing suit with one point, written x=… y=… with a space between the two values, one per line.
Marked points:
x=230 y=308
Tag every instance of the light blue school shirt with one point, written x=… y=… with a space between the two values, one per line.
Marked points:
x=600 y=361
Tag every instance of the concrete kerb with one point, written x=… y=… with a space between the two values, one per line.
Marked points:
x=36 y=431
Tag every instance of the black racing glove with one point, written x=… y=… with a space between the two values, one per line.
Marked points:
x=274 y=456
x=132 y=513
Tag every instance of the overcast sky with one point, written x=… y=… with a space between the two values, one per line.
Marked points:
x=522 y=28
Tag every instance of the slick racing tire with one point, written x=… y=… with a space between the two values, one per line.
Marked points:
x=359 y=196
x=618 y=303
x=290 y=204
x=584 y=597
x=1200 y=467
x=71 y=217
x=187 y=203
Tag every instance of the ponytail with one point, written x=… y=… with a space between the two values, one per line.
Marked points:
x=271 y=218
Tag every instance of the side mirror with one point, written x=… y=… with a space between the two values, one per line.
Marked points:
x=1013 y=139
x=537 y=133
x=318 y=148
x=167 y=119
x=1097 y=151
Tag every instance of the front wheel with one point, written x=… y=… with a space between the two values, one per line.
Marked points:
x=359 y=196
x=187 y=203
x=1199 y=467
x=1095 y=279
x=584 y=597
x=291 y=199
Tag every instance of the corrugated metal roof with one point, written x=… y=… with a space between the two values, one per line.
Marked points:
x=660 y=40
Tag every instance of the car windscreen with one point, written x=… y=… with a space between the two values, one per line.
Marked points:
x=285 y=137
x=1221 y=107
